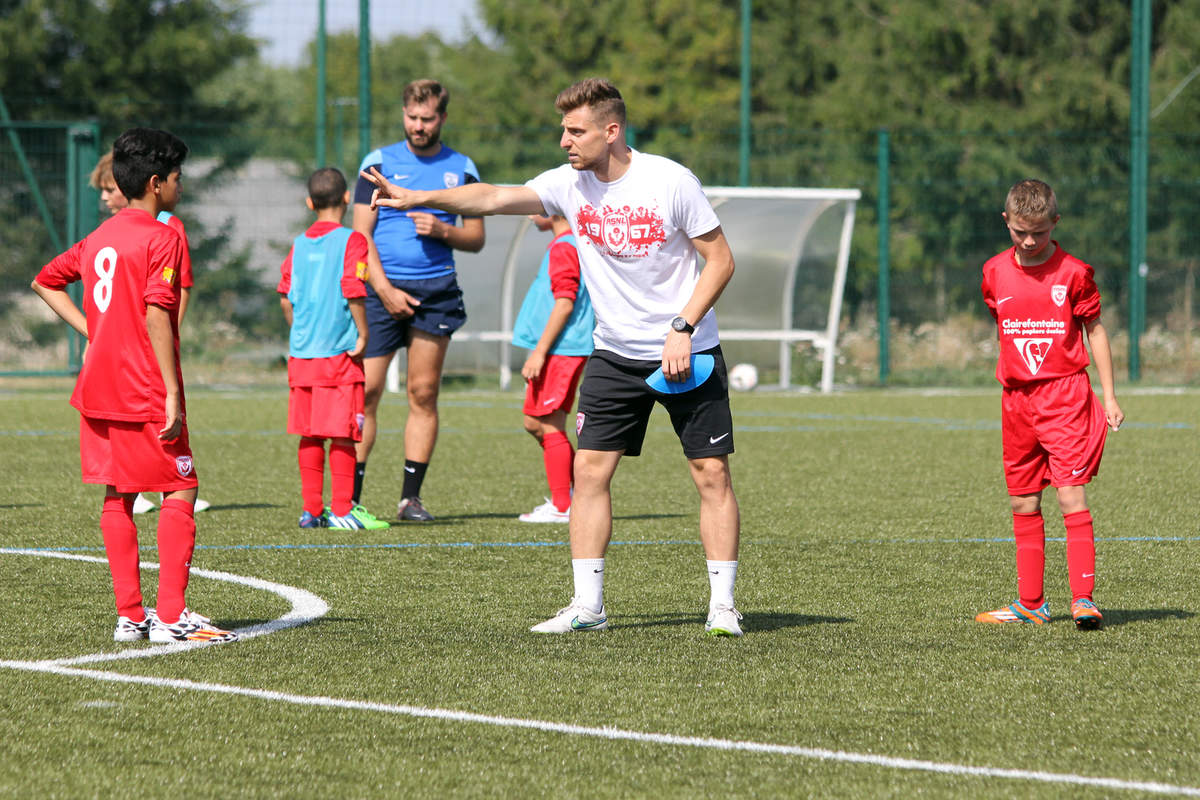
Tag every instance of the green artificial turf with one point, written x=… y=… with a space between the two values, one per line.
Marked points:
x=874 y=527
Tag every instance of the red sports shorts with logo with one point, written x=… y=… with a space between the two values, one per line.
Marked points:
x=130 y=457
x=1053 y=433
x=327 y=412
x=554 y=389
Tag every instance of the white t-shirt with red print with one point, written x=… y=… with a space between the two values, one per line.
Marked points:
x=634 y=239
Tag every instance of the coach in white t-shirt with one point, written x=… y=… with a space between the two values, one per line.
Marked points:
x=642 y=225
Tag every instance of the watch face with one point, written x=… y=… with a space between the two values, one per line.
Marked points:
x=679 y=324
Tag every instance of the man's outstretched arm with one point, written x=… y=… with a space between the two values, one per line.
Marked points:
x=471 y=200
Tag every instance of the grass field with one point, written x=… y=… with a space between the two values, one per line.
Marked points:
x=875 y=526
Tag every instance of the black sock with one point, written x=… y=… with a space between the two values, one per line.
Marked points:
x=414 y=476
x=360 y=469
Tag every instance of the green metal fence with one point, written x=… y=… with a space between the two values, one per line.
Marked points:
x=48 y=205
x=943 y=191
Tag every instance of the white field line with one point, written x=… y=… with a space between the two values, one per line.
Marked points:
x=63 y=667
x=306 y=607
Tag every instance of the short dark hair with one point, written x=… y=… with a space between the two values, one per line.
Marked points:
x=139 y=153
x=426 y=89
x=597 y=94
x=327 y=188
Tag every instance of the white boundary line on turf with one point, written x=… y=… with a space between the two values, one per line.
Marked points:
x=306 y=607
x=305 y=603
x=617 y=734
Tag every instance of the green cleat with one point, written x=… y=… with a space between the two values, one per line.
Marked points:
x=367 y=520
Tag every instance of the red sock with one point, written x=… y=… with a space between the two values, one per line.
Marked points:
x=121 y=547
x=1030 y=533
x=176 y=541
x=341 y=476
x=312 y=474
x=559 y=458
x=1081 y=554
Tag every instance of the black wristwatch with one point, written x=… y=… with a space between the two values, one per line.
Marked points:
x=680 y=324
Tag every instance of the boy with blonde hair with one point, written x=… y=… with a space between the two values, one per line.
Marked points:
x=1047 y=305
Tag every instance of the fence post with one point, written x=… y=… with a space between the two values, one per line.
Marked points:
x=883 y=213
x=83 y=207
x=364 y=79
x=1139 y=131
x=321 y=82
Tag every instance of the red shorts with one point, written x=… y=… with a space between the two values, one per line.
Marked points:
x=130 y=457
x=555 y=387
x=1053 y=434
x=327 y=412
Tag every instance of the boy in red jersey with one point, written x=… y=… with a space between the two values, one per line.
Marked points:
x=321 y=292
x=555 y=323
x=111 y=196
x=1044 y=301
x=133 y=433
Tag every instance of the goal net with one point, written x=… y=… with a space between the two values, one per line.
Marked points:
x=792 y=250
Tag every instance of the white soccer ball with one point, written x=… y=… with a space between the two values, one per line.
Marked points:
x=743 y=377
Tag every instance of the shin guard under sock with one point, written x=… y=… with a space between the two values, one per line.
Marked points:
x=176 y=541
x=341 y=477
x=1081 y=554
x=558 y=457
x=1030 y=533
x=121 y=547
x=312 y=474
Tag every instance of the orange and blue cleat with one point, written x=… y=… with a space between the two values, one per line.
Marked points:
x=1087 y=617
x=1017 y=613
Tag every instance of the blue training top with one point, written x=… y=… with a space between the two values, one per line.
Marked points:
x=404 y=254
x=576 y=336
x=321 y=323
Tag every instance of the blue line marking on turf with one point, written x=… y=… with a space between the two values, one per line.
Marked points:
x=359 y=546
x=419 y=545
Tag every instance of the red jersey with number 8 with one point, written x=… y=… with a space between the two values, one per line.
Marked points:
x=130 y=261
x=1039 y=312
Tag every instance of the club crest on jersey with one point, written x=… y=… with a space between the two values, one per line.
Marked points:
x=451 y=179
x=1058 y=293
x=1033 y=351
x=183 y=465
x=578 y=423
x=359 y=420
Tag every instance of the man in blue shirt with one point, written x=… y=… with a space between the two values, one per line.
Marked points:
x=413 y=298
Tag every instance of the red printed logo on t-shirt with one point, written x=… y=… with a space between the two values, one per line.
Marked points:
x=1058 y=293
x=621 y=232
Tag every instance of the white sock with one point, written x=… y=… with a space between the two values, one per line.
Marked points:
x=589 y=582
x=721 y=575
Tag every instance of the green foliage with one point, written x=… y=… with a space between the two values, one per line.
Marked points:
x=122 y=62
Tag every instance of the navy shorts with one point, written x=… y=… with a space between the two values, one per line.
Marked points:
x=441 y=313
x=615 y=404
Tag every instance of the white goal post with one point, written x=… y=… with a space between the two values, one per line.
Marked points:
x=792 y=251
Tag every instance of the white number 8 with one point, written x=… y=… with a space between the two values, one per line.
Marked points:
x=106 y=268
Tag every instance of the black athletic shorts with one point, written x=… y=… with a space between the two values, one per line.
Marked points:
x=441 y=313
x=615 y=404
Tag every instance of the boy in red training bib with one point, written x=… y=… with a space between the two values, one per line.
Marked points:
x=1046 y=304
x=133 y=432
x=321 y=292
